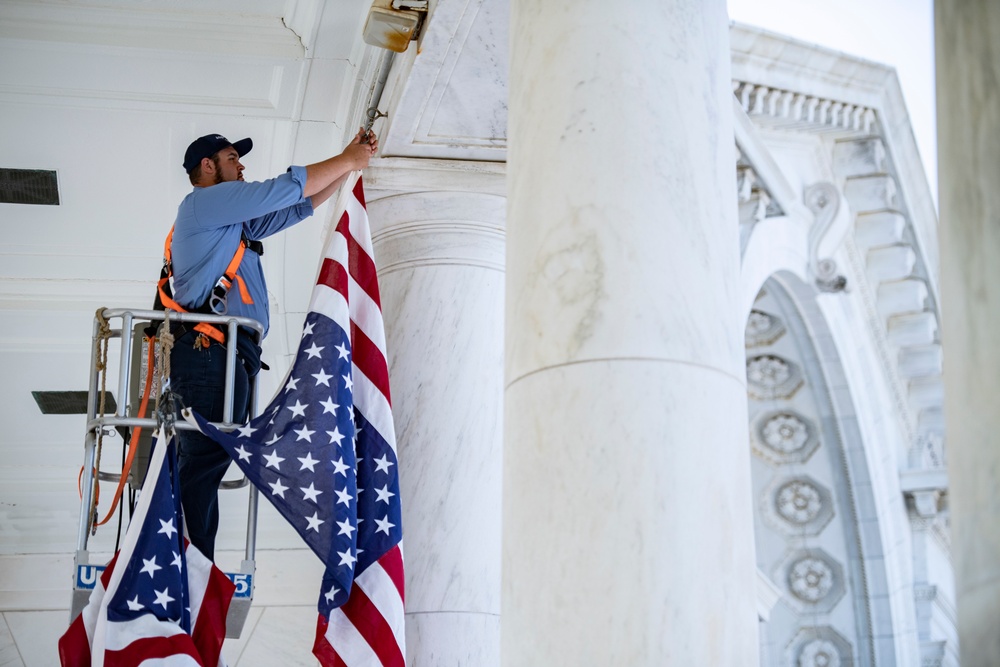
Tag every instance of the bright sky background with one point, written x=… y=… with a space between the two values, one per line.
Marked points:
x=898 y=33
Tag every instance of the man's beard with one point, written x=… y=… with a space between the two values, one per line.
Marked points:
x=218 y=171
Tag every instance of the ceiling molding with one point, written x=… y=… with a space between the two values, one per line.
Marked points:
x=228 y=33
x=112 y=77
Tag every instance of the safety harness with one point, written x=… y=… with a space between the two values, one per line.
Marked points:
x=216 y=302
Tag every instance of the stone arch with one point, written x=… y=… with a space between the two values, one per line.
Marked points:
x=818 y=534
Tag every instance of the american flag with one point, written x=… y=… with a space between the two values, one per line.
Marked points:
x=159 y=597
x=324 y=453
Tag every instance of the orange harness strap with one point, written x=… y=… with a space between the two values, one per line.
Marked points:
x=230 y=274
x=227 y=280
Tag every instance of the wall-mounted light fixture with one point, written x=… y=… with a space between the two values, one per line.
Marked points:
x=392 y=24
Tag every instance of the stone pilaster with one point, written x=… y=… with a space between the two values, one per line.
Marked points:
x=440 y=257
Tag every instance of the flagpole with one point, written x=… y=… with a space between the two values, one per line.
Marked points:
x=378 y=87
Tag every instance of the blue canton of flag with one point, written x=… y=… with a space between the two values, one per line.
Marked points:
x=153 y=581
x=301 y=454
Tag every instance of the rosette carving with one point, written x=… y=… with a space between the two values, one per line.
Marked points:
x=763 y=329
x=770 y=377
x=785 y=436
x=819 y=653
x=810 y=579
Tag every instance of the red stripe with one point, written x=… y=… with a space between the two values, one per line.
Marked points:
x=210 y=628
x=361 y=265
x=392 y=563
x=74 y=647
x=151 y=647
x=369 y=360
x=333 y=275
x=373 y=627
x=359 y=191
x=363 y=270
x=321 y=647
x=108 y=569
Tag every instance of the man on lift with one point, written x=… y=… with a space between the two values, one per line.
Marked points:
x=216 y=244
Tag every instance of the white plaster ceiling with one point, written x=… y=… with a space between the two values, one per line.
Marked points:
x=279 y=58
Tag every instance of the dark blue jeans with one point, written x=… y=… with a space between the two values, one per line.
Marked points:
x=197 y=376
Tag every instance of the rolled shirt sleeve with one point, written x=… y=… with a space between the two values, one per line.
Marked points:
x=237 y=202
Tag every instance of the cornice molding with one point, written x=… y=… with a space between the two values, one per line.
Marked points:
x=777 y=65
x=108 y=77
x=389 y=176
x=790 y=110
x=786 y=63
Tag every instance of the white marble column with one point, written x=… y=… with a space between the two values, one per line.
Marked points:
x=628 y=535
x=441 y=260
x=968 y=67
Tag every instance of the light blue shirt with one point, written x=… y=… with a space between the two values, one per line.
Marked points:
x=210 y=223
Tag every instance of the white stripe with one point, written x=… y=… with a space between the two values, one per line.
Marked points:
x=382 y=591
x=336 y=250
x=93 y=608
x=358 y=224
x=373 y=406
x=188 y=416
x=329 y=302
x=199 y=571
x=122 y=633
x=348 y=642
x=366 y=314
x=172 y=661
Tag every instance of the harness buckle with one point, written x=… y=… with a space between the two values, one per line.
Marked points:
x=217 y=299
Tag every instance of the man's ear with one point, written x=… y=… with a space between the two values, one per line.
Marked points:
x=207 y=166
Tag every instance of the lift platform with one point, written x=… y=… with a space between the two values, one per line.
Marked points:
x=127 y=326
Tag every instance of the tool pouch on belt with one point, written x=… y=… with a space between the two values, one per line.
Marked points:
x=249 y=353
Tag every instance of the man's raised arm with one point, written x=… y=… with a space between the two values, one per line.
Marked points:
x=322 y=175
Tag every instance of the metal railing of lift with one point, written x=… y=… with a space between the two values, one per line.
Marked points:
x=96 y=423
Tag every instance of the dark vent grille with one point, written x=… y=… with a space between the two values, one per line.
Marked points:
x=70 y=402
x=28 y=186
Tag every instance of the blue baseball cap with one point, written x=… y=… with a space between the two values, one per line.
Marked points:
x=209 y=145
